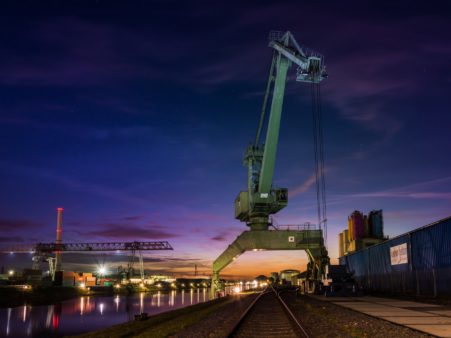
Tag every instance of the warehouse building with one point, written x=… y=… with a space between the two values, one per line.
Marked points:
x=418 y=262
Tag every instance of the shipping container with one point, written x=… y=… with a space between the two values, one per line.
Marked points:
x=418 y=262
x=90 y=281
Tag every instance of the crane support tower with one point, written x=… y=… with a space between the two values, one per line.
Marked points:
x=254 y=205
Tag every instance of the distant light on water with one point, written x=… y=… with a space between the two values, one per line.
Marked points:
x=8 y=321
x=24 y=315
x=82 y=305
x=116 y=300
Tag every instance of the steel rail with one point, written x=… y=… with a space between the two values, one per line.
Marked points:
x=245 y=313
x=289 y=313
x=293 y=317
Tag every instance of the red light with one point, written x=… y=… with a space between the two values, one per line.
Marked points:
x=55 y=321
x=59 y=209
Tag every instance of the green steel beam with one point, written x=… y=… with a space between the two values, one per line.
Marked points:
x=272 y=133
x=309 y=240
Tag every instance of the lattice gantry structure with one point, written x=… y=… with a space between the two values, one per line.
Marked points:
x=42 y=252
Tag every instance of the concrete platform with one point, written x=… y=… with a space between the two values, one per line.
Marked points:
x=428 y=318
x=435 y=330
x=419 y=320
x=396 y=314
x=441 y=312
x=409 y=304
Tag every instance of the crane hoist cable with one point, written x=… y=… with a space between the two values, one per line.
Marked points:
x=318 y=147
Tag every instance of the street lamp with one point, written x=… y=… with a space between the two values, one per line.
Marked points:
x=102 y=271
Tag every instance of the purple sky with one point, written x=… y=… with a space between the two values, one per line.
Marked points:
x=134 y=116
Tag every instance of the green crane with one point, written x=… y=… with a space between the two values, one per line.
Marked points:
x=254 y=205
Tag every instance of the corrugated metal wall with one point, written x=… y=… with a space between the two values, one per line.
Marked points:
x=426 y=272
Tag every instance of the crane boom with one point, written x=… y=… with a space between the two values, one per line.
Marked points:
x=261 y=199
x=272 y=133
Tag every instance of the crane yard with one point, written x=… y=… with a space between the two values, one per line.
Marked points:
x=136 y=117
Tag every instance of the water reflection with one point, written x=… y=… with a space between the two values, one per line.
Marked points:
x=82 y=305
x=24 y=314
x=90 y=313
x=116 y=301
x=141 y=302
x=8 y=321
x=49 y=316
x=172 y=297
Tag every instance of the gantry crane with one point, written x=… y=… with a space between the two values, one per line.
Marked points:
x=254 y=205
x=42 y=251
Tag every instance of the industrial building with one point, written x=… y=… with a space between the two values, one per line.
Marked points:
x=363 y=231
x=416 y=263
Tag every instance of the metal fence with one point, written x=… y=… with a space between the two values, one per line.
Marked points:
x=425 y=268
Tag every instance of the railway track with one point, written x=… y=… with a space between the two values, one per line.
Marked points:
x=268 y=316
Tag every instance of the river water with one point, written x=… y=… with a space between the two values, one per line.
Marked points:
x=85 y=314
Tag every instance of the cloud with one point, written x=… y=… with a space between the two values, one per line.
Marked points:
x=303 y=187
x=363 y=96
x=71 y=51
x=132 y=132
x=219 y=238
x=130 y=232
x=81 y=52
x=422 y=190
x=133 y=218
x=10 y=239
x=73 y=183
x=18 y=224
x=407 y=194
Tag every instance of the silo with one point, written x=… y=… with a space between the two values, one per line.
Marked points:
x=345 y=241
x=340 y=244
x=366 y=227
x=350 y=229
x=357 y=224
x=377 y=223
